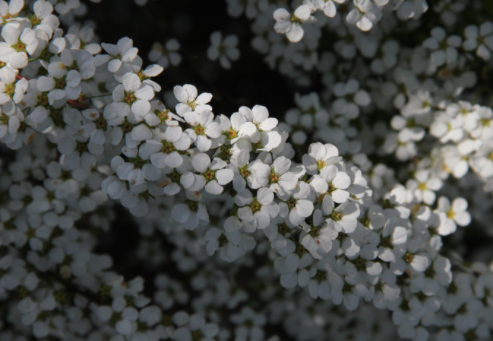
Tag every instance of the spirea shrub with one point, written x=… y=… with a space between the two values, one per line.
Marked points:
x=363 y=213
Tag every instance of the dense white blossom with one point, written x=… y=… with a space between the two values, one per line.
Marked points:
x=322 y=225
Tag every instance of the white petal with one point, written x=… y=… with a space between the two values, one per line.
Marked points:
x=213 y=187
x=141 y=107
x=303 y=12
x=180 y=213
x=174 y=160
x=224 y=176
x=204 y=98
x=201 y=162
x=304 y=208
x=295 y=34
x=399 y=236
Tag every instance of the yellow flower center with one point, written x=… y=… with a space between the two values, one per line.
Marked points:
x=163 y=115
x=129 y=98
x=231 y=134
x=209 y=175
x=199 y=129
x=19 y=47
x=168 y=147
x=10 y=89
x=273 y=178
x=192 y=105
x=244 y=172
x=255 y=206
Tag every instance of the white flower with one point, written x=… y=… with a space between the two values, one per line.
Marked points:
x=424 y=186
x=236 y=8
x=202 y=128
x=439 y=275
x=134 y=94
x=136 y=170
x=322 y=280
x=249 y=324
x=319 y=156
x=20 y=41
x=187 y=96
x=479 y=39
x=224 y=50
x=447 y=127
x=395 y=202
x=232 y=244
x=280 y=179
x=364 y=15
x=159 y=114
x=10 y=123
x=11 y=10
x=197 y=329
x=94 y=128
x=388 y=293
x=444 y=50
x=121 y=54
x=318 y=241
x=237 y=127
x=191 y=214
x=149 y=72
x=164 y=149
x=290 y=24
x=256 y=212
x=166 y=55
x=296 y=205
x=407 y=9
x=409 y=130
x=453 y=162
x=327 y=6
x=393 y=241
x=214 y=174
x=482 y=162
x=331 y=186
x=43 y=18
x=75 y=154
x=10 y=88
x=390 y=50
x=411 y=260
x=453 y=215
x=350 y=98
x=419 y=103
x=343 y=218
x=255 y=173
x=266 y=138
x=60 y=83
x=66 y=6
x=293 y=270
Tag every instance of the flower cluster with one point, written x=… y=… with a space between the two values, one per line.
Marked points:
x=364 y=14
x=246 y=225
